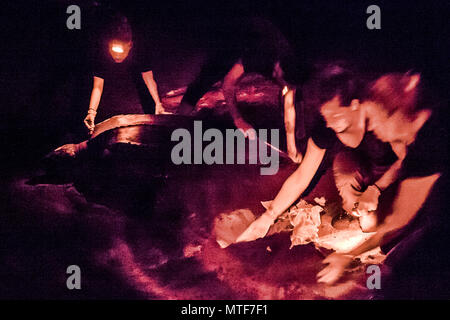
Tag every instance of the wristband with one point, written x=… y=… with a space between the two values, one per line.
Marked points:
x=379 y=189
x=92 y=111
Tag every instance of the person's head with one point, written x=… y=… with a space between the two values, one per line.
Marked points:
x=120 y=39
x=392 y=106
x=288 y=71
x=335 y=91
x=119 y=50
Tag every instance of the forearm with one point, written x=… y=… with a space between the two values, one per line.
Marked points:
x=291 y=190
x=412 y=194
x=151 y=85
x=229 y=93
x=95 y=99
x=229 y=87
x=289 y=119
x=297 y=182
x=153 y=89
x=389 y=176
x=371 y=243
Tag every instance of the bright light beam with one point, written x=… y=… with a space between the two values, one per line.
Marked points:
x=117 y=48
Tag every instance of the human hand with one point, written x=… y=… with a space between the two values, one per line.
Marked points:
x=159 y=109
x=368 y=222
x=89 y=121
x=337 y=263
x=368 y=201
x=258 y=229
x=245 y=128
x=295 y=156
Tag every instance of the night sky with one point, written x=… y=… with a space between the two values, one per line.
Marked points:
x=46 y=67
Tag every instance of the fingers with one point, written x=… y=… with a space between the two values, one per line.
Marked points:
x=327 y=259
x=89 y=123
x=362 y=212
x=296 y=157
x=299 y=158
x=323 y=272
x=248 y=133
x=365 y=208
x=329 y=275
x=246 y=236
x=253 y=232
x=329 y=278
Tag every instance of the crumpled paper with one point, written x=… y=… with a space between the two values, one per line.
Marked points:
x=302 y=218
x=305 y=223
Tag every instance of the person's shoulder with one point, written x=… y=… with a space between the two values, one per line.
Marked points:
x=142 y=57
x=99 y=67
x=428 y=154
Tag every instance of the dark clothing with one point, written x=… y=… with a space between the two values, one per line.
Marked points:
x=124 y=90
x=428 y=154
x=257 y=42
x=418 y=261
x=323 y=137
x=373 y=155
x=419 y=255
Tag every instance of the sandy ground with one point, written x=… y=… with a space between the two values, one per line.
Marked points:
x=131 y=246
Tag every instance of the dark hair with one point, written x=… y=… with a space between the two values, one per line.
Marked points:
x=396 y=92
x=295 y=73
x=330 y=80
x=119 y=29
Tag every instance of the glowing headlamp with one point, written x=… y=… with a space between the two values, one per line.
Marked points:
x=117 y=48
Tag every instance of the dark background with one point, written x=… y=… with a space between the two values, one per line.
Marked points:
x=46 y=78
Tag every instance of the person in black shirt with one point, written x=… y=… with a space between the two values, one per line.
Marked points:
x=342 y=124
x=251 y=46
x=417 y=232
x=117 y=79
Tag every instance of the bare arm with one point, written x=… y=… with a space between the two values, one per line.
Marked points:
x=292 y=188
x=289 y=124
x=411 y=196
x=368 y=201
x=96 y=94
x=151 y=86
x=391 y=175
x=297 y=182
x=229 y=87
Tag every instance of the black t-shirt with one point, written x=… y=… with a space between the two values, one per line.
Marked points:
x=262 y=45
x=256 y=41
x=373 y=152
x=428 y=154
x=124 y=90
